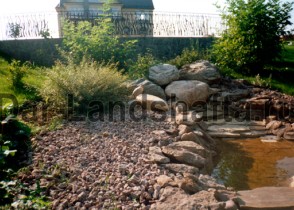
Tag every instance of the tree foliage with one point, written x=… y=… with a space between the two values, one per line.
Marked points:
x=97 y=40
x=253 y=35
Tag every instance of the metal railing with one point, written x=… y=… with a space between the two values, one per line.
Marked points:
x=29 y=26
x=151 y=24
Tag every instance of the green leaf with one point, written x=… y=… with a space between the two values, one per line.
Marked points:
x=5 y=148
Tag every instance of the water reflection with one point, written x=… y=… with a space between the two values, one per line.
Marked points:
x=248 y=164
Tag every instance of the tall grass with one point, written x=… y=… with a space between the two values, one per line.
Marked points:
x=85 y=82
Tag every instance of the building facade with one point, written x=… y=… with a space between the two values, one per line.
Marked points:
x=96 y=6
x=131 y=17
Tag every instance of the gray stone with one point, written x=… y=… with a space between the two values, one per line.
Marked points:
x=203 y=71
x=190 y=92
x=267 y=198
x=163 y=74
x=235 y=95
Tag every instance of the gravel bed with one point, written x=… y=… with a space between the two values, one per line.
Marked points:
x=101 y=165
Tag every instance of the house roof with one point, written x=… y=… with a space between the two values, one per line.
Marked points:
x=138 y=4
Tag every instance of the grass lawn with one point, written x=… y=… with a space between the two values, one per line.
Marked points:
x=33 y=79
x=281 y=74
x=288 y=53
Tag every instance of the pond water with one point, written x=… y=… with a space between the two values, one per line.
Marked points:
x=249 y=164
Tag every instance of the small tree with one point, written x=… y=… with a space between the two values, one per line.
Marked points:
x=97 y=40
x=14 y=30
x=253 y=36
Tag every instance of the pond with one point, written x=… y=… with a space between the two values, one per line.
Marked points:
x=249 y=164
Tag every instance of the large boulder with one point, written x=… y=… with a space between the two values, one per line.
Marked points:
x=163 y=74
x=185 y=156
x=151 y=102
x=148 y=88
x=177 y=199
x=190 y=92
x=190 y=146
x=202 y=71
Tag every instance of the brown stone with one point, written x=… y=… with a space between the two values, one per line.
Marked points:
x=190 y=146
x=155 y=155
x=273 y=125
x=177 y=199
x=188 y=184
x=184 y=156
x=196 y=137
x=181 y=168
x=184 y=129
x=267 y=198
x=164 y=180
x=289 y=135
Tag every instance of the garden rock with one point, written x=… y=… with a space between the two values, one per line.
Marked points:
x=184 y=129
x=138 y=91
x=188 y=184
x=164 y=180
x=202 y=71
x=289 y=135
x=151 y=102
x=190 y=146
x=177 y=199
x=291 y=182
x=149 y=88
x=155 y=155
x=163 y=74
x=267 y=198
x=190 y=92
x=181 y=168
x=195 y=136
x=184 y=156
x=190 y=118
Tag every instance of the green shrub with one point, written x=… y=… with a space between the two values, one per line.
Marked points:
x=97 y=40
x=140 y=68
x=187 y=56
x=86 y=82
x=258 y=81
x=17 y=72
x=252 y=38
